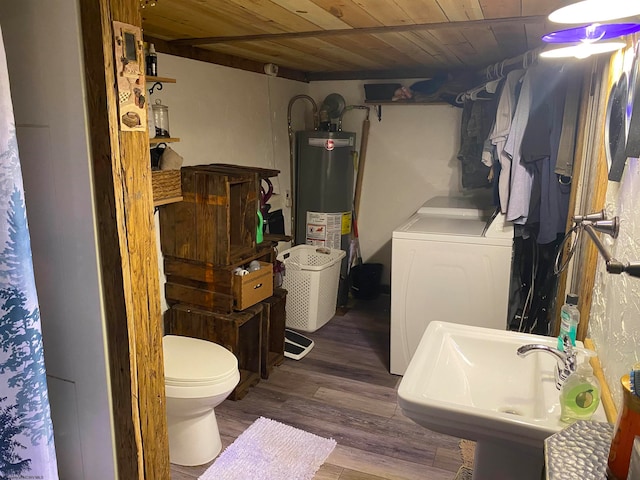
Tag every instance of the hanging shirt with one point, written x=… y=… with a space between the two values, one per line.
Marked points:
x=477 y=118
x=566 y=148
x=549 y=198
x=500 y=132
x=535 y=87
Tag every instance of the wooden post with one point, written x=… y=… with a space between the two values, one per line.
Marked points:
x=597 y=196
x=593 y=178
x=128 y=256
x=362 y=157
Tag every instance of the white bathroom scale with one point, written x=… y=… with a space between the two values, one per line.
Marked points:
x=296 y=346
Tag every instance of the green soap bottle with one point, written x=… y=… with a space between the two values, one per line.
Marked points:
x=579 y=395
x=259 y=234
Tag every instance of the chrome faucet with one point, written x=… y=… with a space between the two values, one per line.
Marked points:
x=566 y=361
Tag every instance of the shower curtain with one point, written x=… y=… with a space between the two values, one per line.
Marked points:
x=26 y=433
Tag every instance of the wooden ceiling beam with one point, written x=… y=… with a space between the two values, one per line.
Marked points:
x=232 y=61
x=218 y=58
x=375 y=74
x=189 y=42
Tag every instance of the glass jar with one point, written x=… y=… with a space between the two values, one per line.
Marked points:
x=161 y=119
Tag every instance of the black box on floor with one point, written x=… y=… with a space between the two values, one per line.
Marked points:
x=365 y=280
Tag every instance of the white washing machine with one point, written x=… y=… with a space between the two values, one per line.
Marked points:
x=467 y=207
x=449 y=263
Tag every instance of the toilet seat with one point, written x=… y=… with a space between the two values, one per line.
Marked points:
x=191 y=362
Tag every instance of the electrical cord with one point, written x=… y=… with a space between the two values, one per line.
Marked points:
x=525 y=307
x=534 y=274
x=530 y=294
x=558 y=267
x=530 y=299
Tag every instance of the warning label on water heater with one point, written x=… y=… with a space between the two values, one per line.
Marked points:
x=325 y=229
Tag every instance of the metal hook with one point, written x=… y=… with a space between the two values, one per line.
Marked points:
x=157 y=85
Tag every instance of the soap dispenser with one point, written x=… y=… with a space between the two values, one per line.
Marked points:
x=580 y=394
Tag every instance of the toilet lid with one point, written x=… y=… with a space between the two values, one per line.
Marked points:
x=194 y=361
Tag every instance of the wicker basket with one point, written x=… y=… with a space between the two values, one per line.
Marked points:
x=166 y=186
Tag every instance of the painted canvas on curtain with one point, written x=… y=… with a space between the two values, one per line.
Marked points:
x=27 y=449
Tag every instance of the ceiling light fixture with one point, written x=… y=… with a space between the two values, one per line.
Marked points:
x=147 y=3
x=592 y=33
x=583 y=50
x=592 y=11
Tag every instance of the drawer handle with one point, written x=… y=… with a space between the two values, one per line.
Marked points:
x=255 y=287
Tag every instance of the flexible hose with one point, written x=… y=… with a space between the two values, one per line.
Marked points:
x=292 y=163
x=558 y=265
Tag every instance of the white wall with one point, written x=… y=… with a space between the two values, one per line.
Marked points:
x=614 y=324
x=48 y=96
x=225 y=115
x=411 y=156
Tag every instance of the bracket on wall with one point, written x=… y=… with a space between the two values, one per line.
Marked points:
x=157 y=85
x=610 y=227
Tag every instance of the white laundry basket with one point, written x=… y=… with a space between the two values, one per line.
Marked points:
x=311 y=279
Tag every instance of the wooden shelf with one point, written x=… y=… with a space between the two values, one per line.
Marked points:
x=157 y=140
x=150 y=78
x=166 y=201
x=274 y=237
x=158 y=81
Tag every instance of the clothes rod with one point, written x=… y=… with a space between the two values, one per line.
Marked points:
x=500 y=69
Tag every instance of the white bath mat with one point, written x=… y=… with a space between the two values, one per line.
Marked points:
x=270 y=450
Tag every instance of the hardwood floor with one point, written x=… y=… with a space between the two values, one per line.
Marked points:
x=343 y=389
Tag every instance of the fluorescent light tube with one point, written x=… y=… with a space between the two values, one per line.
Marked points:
x=592 y=11
x=582 y=50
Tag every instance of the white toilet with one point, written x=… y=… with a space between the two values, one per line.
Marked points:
x=199 y=375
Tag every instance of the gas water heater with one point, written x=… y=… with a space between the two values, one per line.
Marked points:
x=324 y=193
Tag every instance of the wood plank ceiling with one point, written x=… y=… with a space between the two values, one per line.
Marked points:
x=341 y=39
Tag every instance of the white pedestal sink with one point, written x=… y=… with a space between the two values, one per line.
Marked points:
x=469 y=382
